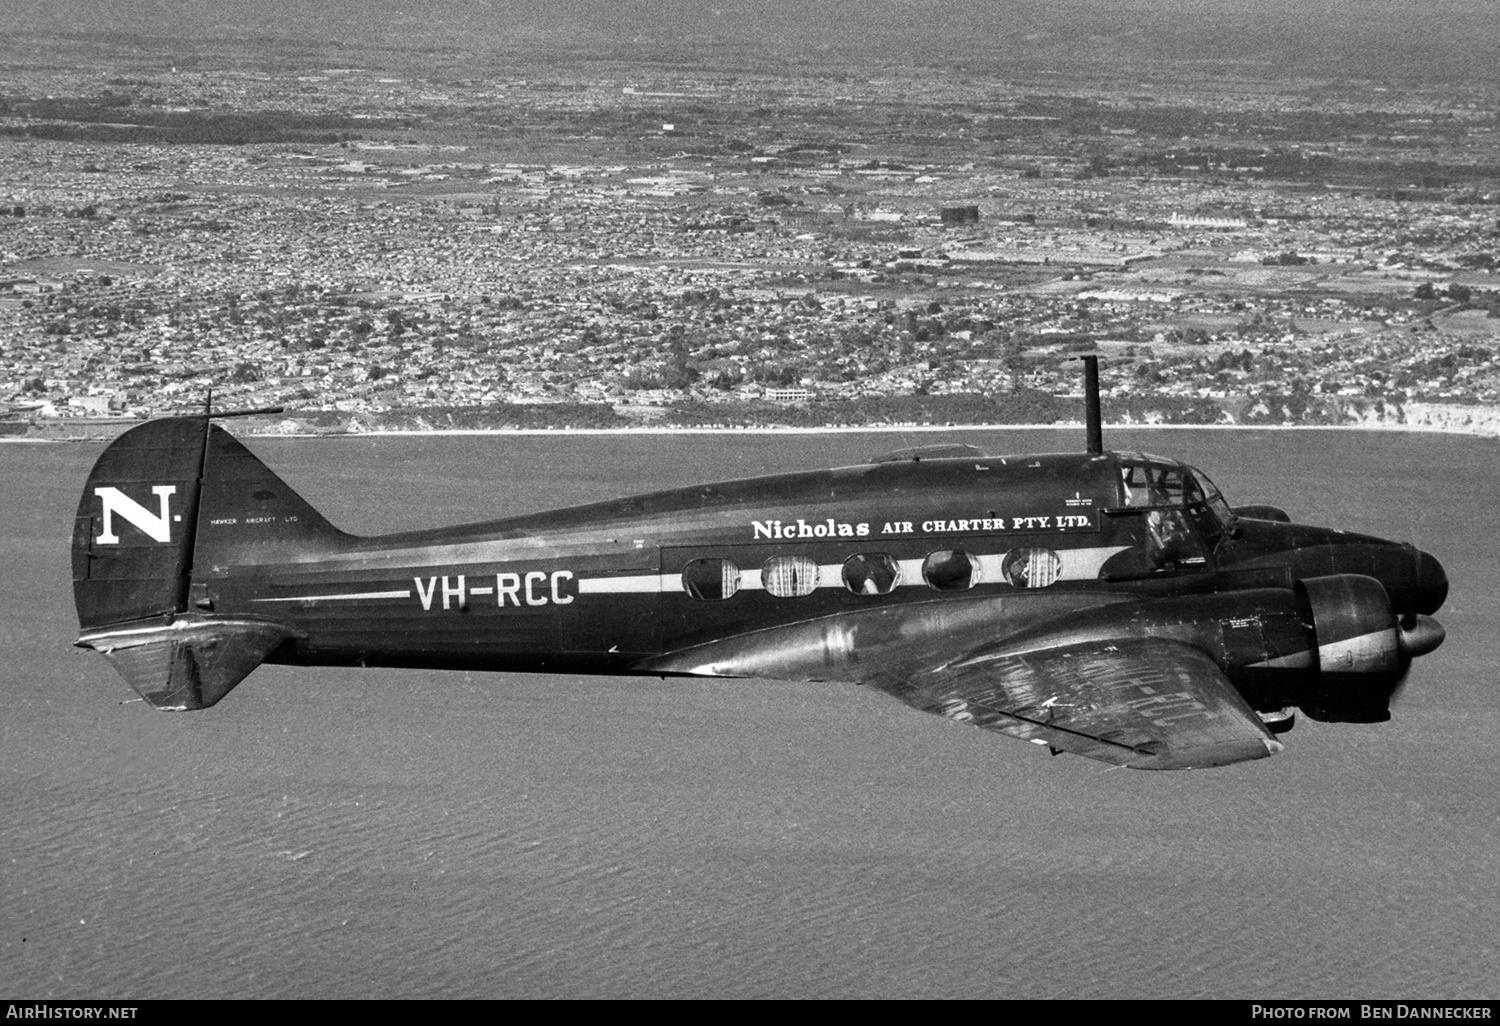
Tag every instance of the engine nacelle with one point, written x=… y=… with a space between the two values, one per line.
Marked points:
x=1355 y=626
x=1359 y=653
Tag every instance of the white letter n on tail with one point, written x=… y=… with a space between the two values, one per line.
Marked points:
x=158 y=527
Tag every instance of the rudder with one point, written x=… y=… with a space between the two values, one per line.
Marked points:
x=133 y=534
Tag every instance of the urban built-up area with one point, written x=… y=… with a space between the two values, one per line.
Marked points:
x=583 y=246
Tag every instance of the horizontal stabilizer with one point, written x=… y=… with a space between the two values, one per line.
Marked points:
x=190 y=663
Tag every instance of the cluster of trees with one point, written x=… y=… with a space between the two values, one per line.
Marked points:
x=498 y=416
x=673 y=372
x=1023 y=407
x=1456 y=292
x=115 y=119
x=1432 y=373
x=1296 y=407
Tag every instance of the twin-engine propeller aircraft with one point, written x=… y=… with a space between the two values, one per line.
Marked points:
x=1107 y=604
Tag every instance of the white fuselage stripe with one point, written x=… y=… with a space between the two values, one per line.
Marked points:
x=633 y=585
x=346 y=597
x=1075 y=565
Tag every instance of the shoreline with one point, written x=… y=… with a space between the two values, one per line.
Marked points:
x=869 y=430
x=769 y=430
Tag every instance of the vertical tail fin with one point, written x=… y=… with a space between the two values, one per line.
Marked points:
x=133 y=535
x=166 y=503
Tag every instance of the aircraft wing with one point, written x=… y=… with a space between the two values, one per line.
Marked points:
x=1144 y=703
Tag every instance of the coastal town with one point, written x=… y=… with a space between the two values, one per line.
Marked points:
x=571 y=249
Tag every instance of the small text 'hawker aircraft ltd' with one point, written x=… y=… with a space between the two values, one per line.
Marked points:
x=1108 y=604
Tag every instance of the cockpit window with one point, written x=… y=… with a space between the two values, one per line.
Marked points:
x=1137 y=481
x=1185 y=516
x=1213 y=499
x=1155 y=484
x=1169 y=539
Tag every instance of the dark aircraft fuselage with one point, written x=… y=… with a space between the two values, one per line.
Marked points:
x=872 y=573
x=612 y=586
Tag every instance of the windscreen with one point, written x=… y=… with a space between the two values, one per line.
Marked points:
x=1188 y=517
x=1212 y=498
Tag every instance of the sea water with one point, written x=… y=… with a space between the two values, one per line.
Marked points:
x=372 y=833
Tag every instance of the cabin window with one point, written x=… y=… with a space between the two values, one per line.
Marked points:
x=1031 y=567
x=950 y=570
x=789 y=576
x=871 y=573
x=711 y=579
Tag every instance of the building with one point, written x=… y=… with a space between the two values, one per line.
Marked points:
x=1194 y=221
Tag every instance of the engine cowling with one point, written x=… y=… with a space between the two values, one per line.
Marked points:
x=1359 y=652
x=1355 y=627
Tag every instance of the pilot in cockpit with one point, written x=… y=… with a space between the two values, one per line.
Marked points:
x=1161 y=492
x=1168 y=536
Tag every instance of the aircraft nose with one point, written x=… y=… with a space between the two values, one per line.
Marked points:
x=1429 y=587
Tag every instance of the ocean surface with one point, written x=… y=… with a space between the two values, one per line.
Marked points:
x=381 y=833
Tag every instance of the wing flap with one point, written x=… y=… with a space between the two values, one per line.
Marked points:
x=1143 y=703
